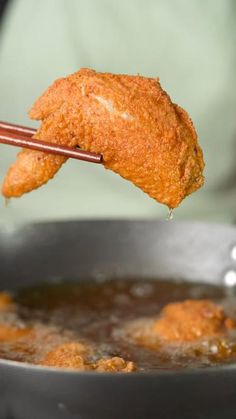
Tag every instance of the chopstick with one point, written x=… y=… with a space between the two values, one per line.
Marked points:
x=6 y=126
x=21 y=136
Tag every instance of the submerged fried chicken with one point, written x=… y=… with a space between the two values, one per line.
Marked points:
x=115 y=364
x=68 y=355
x=191 y=320
x=11 y=333
x=75 y=355
x=6 y=301
x=130 y=120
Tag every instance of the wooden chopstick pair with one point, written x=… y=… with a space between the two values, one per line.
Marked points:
x=21 y=136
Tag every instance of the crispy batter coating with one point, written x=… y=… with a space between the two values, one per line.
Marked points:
x=68 y=355
x=76 y=356
x=192 y=320
x=115 y=364
x=130 y=120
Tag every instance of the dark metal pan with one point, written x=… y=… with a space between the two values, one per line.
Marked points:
x=148 y=249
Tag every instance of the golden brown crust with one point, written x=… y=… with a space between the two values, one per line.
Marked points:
x=68 y=355
x=192 y=320
x=130 y=120
x=115 y=364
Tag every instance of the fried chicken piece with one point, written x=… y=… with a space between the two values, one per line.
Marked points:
x=68 y=355
x=10 y=333
x=76 y=356
x=191 y=320
x=115 y=364
x=5 y=301
x=130 y=120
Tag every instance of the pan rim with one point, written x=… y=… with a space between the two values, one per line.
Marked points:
x=46 y=222
x=27 y=367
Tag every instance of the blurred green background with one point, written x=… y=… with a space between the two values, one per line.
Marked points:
x=190 y=45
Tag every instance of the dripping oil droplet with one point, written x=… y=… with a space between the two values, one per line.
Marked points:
x=170 y=214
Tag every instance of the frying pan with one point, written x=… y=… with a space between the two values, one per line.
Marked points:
x=116 y=249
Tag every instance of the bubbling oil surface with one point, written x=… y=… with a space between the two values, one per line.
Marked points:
x=98 y=313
